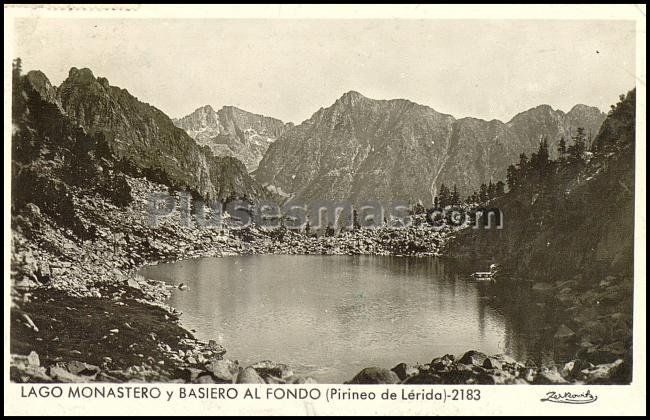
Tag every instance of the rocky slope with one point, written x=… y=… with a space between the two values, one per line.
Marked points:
x=361 y=148
x=233 y=132
x=146 y=141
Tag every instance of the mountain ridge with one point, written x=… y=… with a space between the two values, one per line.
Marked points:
x=357 y=148
x=146 y=139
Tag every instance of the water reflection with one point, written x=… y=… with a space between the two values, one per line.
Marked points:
x=330 y=316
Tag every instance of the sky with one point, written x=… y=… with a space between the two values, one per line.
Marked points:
x=288 y=69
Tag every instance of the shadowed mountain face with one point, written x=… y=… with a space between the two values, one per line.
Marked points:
x=576 y=219
x=233 y=132
x=146 y=139
x=390 y=150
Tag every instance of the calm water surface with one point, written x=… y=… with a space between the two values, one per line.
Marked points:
x=331 y=316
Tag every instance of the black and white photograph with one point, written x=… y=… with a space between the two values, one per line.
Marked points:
x=303 y=206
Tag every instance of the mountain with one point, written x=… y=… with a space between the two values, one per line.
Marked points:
x=233 y=132
x=146 y=140
x=397 y=150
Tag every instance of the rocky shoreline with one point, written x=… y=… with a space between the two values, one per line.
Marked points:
x=81 y=313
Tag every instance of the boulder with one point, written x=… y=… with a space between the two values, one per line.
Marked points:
x=205 y=378
x=608 y=373
x=492 y=363
x=189 y=374
x=403 y=371
x=549 y=376
x=424 y=378
x=131 y=282
x=572 y=369
x=505 y=359
x=249 y=376
x=33 y=359
x=442 y=363
x=80 y=368
x=274 y=380
x=216 y=348
x=375 y=375
x=30 y=323
x=473 y=357
x=223 y=370
x=269 y=368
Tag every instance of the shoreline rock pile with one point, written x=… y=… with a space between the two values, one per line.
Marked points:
x=475 y=367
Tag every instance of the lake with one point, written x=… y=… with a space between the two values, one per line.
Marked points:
x=331 y=316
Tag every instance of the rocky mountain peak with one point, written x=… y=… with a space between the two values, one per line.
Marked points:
x=351 y=98
x=82 y=76
x=232 y=131
x=41 y=84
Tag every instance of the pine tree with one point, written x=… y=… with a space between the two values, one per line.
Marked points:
x=455 y=197
x=542 y=153
x=445 y=196
x=500 y=189
x=491 y=190
x=512 y=177
x=483 y=193
x=579 y=146
x=561 y=149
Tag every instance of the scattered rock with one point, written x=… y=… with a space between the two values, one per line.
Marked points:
x=30 y=323
x=206 y=378
x=607 y=373
x=269 y=368
x=492 y=363
x=189 y=374
x=223 y=370
x=375 y=375
x=249 y=376
x=403 y=371
x=548 y=376
x=274 y=380
x=423 y=378
x=83 y=369
x=442 y=363
x=572 y=369
x=473 y=357
x=33 y=359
